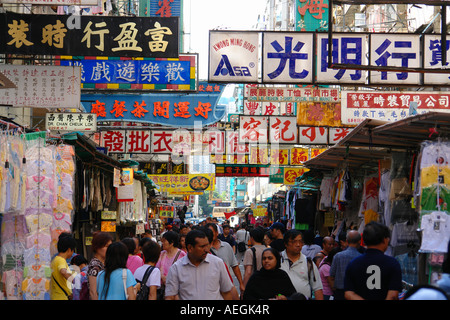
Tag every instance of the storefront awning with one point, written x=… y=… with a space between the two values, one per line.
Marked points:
x=373 y=140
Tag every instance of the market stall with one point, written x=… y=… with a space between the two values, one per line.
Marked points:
x=393 y=173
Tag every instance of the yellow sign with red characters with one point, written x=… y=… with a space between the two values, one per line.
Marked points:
x=290 y=174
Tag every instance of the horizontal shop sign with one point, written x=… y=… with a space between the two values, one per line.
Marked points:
x=184 y=182
x=254 y=92
x=149 y=74
x=151 y=37
x=302 y=58
x=178 y=110
x=241 y=171
x=390 y=105
x=54 y=2
x=41 y=86
x=71 y=122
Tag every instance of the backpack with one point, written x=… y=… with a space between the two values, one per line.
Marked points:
x=241 y=246
x=144 y=291
x=84 y=291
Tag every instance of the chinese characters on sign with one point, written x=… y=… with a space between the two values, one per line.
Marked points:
x=71 y=122
x=389 y=106
x=290 y=58
x=280 y=94
x=311 y=15
x=147 y=74
x=98 y=36
x=42 y=86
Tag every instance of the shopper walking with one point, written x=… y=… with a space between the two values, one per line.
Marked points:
x=242 y=237
x=303 y=272
x=116 y=282
x=341 y=261
x=198 y=275
x=270 y=282
x=151 y=251
x=324 y=271
x=133 y=261
x=100 y=243
x=374 y=275
x=253 y=255
x=277 y=231
x=60 y=285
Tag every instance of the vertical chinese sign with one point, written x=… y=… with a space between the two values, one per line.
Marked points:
x=311 y=15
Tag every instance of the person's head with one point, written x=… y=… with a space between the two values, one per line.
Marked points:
x=330 y=256
x=197 y=246
x=184 y=229
x=214 y=229
x=243 y=225
x=131 y=245
x=327 y=244
x=116 y=258
x=257 y=235
x=226 y=229
x=182 y=242
x=151 y=251
x=169 y=240
x=66 y=245
x=342 y=240
x=277 y=230
x=143 y=241
x=79 y=261
x=271 y=259
x=318 y=258
x=267 y=238
x=209 y=233
x=353 y=238
x=376 y=235
x=293 y=241
x=100 y=242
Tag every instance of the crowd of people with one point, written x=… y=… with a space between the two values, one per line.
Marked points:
x=202 y=262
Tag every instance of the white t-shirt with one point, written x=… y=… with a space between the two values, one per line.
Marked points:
x=153 y=280
x=436 y=232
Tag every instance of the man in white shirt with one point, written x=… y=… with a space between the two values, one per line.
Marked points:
x=198 y=275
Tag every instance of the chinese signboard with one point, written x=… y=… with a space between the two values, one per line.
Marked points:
x=242 y=171
x=290 y=58
x=290 y=174
x=42 y=86
x=179 y=110
x=390 y=105
x=71 y=121
x=311 y=15
x=146 y=74
x=233 y=56
x=319 y=114
x=280 y=94
x=32 y=34
x=184 y=182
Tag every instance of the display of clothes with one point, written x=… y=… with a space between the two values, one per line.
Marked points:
x=36 y=208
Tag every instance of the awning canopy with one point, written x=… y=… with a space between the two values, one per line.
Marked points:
x=373 y=140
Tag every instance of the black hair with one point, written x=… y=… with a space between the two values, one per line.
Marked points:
x=374 y=233
x=116 y=258
x=172 y=237
x=151 y=251
x=308 y=237
x=257 y=234
x=291 y=235
x=212 y=225
x=143 y=241
x=131 y=245
x=276 y=254
x=329 y=258
x=193 y=235
x=65 y=243
x=78 y=260
x=208 y=232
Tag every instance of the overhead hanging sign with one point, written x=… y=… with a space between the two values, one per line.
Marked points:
x=149 y=74
x=184 y=182
x=54 y=2
x=42 y=86
x=369 y=59
x=279 y=94
x=178 y=110
x=390 y=105
x=34 y=34
x=233 y=56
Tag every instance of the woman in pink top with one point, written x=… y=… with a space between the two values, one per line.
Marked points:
x=134 y=261
x=170 y=253
x=324 y=271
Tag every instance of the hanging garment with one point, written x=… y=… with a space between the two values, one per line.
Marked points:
x=436 y=232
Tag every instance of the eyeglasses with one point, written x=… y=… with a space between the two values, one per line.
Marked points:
x=296 y=241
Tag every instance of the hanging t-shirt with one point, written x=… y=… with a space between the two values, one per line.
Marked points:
x=436 y=232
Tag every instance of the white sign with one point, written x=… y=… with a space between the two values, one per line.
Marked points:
x=283 y=130
x=253 y=129
x=287 y=57
x=395 y=51
x=233 y=56
x=313 y=135
x=42 y=86
x=347 y=49
x=71 y=121
x=433 y=59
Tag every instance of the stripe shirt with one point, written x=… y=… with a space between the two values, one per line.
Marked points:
x=340 y=263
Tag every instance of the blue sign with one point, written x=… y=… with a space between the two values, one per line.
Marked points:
x=179 y=110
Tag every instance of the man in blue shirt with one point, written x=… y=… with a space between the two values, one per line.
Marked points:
x=373 y=275
x=341 y=261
